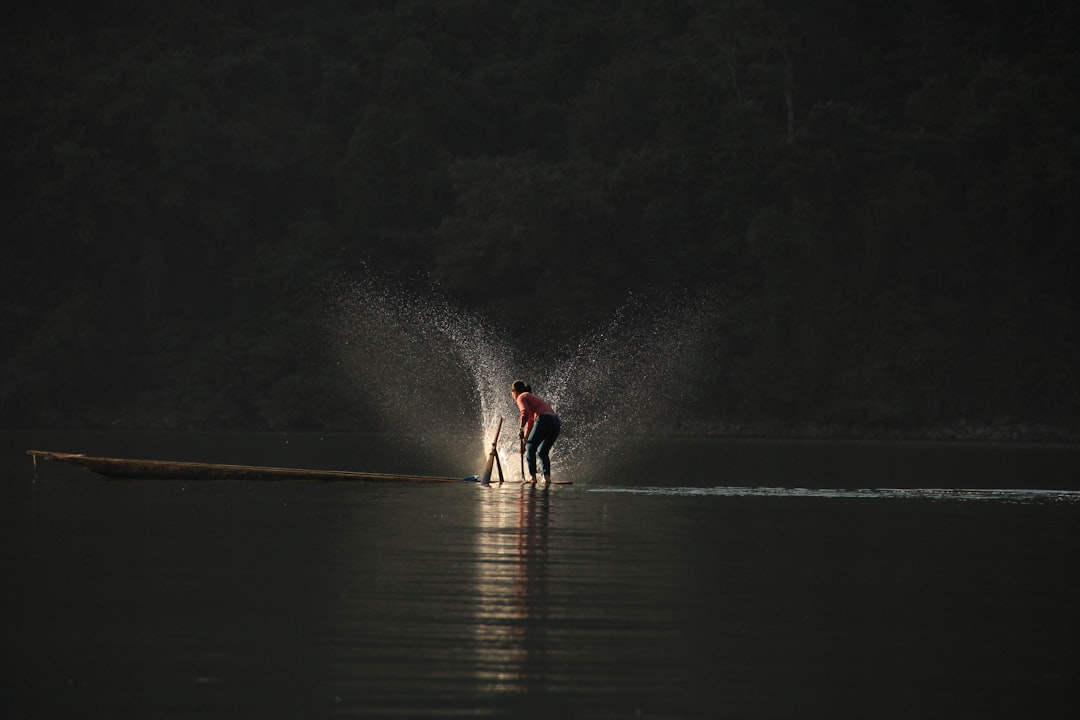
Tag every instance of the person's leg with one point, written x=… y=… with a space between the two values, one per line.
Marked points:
x=545 y=460
x=549 y=429
x=530 y=453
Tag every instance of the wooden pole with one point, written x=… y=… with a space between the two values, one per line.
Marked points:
x=485 y=477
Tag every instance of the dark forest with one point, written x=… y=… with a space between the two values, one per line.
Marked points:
x=881 y=197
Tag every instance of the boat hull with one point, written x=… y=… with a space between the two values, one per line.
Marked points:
x=133 y=469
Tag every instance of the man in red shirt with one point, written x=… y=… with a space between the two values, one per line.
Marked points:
x=539 y=428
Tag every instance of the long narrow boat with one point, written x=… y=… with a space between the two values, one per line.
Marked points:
x=129 y=469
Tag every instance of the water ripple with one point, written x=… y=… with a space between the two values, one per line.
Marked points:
x=964 y=494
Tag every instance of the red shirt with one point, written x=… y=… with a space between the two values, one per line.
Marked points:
x=531 y=406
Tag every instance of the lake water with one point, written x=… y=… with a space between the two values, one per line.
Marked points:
x=696 y=579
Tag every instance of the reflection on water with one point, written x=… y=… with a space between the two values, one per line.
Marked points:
x=512 y=586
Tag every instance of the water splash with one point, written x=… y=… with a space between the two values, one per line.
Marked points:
x=424 y=367
x=636 y=375
x=414 y=363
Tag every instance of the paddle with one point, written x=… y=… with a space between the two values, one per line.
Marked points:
x=521 y=452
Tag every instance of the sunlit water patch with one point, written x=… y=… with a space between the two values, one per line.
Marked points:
x=962 y=494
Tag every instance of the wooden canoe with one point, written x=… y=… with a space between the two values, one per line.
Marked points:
x=128 y=469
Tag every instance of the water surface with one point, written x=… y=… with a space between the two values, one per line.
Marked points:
x=695 y=579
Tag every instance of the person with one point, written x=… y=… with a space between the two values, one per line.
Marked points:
x=539 y=429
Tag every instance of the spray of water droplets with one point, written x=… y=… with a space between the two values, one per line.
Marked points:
x=420 y=367
x=426 y=368
x=634 y=376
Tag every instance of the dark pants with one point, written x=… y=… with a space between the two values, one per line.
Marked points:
x=544 y=433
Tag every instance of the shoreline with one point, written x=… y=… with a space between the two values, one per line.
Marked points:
x=1019 y=433
x=962 y=432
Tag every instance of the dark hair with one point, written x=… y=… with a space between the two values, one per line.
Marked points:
x=521 y=386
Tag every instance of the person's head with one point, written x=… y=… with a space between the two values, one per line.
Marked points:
x=519 y=386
